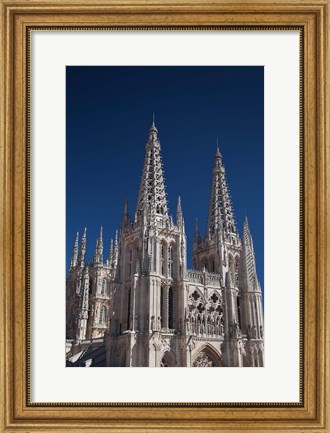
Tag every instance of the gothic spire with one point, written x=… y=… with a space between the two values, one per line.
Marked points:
x=101 y=244
x=218 y=154
x=116 y=251
x=179 y=208
x=179 y=215
x=152 y=197
x=197 y=236
x=221 y=214
x=82 y=251
x=98 y=255
x=125 y=217
x=110 y=258
x=74 y=257
x=249 y=259
x=125 y=213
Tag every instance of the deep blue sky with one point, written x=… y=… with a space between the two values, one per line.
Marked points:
x=109 y=112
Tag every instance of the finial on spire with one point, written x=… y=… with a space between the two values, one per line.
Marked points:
x=197 y=236
x=126 y=206
x=82 y=251
x=116 y=242
x=153 y=126
x=74 y=257
x=98 y=255
x=179 y=216
x=249 y=257
x=116 y=251
x=218 y=154
x=110 y=258
x=125 y=218
x=179 y=208
x=153 y=131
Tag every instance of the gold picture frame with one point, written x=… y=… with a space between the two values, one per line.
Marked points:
x=311 y=414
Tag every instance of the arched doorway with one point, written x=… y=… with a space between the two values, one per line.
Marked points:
x=207 y=356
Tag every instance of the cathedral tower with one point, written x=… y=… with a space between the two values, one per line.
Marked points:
x=148 y=289
x=142 y=307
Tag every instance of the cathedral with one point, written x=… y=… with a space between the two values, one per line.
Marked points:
x=142 y=307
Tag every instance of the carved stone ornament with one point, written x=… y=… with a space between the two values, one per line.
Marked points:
x=241 y=346
x=166 y=341
x=203 y=360
x=191 y=344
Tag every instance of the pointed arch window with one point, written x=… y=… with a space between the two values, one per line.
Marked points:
x=238 y=304
x=204 y=263
x=170 y=309
x=162 y=310
x=167 y=307
x=90 y=286
x=170 y=261
x=162 y=259
x=104 y=290
x=103 y=315
x=236 y=272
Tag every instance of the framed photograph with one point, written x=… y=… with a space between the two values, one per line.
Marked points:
x=165 y=170
x=154 y=298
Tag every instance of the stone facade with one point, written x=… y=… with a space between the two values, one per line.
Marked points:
x=144 y=308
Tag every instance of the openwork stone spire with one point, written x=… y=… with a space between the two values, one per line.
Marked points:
x=74 y=257
x=179 y=214
x=111 y=252
x=249 y=258
x=152 y=197
x=116 y=251
x=197 y=237
x=82 y=251
x=98 y=255
x=221 y=214
x=125 y=213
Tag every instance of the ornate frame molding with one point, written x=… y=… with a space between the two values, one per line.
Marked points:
x=18 y=413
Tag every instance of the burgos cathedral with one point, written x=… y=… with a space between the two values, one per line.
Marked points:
x=142 y=307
